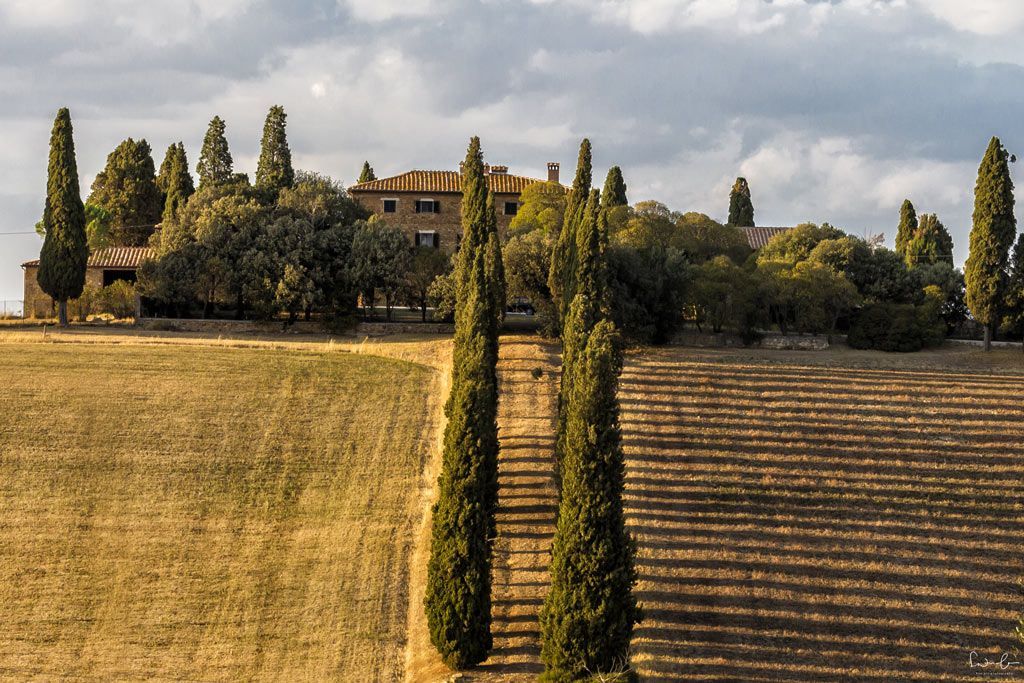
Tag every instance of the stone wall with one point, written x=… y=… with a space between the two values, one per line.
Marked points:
x=447 y=223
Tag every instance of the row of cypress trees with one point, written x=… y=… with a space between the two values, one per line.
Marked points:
x=458 y=593
x=588 y=615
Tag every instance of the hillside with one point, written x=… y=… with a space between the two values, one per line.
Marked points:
x=199 y=512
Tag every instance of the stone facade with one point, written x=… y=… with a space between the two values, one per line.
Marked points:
x=445 y=223
x=104 y=267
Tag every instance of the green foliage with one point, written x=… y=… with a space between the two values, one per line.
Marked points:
x=441 y=296
x=116 y=300
x=896 y=327
x=457 y=601
x=907 y=227
x=562 y=279
x=274 y=170
x=527 y=264
x=367 y=174
x=380 y=260
x=650 y=225
x=126 y=189
x=426 y=266
x=65 y=250
x=741 y=208
x=98 y=223
x=1013 y=321
x=614 y=193
x=215 y=163
x=994 y=229
x=820 y=297
x=797 y=244
x=176 y=183
x=930 y=244
x=647 y=292
x=725 y=295
x=541 y=207
x=704 y=239
x=588 y=615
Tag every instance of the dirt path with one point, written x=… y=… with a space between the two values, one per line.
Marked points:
x=528 y=376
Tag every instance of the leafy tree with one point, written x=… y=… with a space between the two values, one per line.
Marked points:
x=588 y=615
x=367 y=174
x=427 y=265
x=126 y=189
x=994 y=229
x=647 y=291
x=65 y=250
x=651 y=224
x=380 y=260
x=177 y=183
x=1014 y=319
x=820 y=297
x=215 y=163
x=741 y=209
x=561 y=280
x=704 y=239
x=950 y=282
x=441 y=295
x=907 y=228
x=931 y=243
x=527 y=264
x=724 y=294
x=796 y=245
x=274 y=170
x=541 y=207
x=614 y=193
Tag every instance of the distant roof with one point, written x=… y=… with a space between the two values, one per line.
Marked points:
x=128 y=258
x=759 y=237
x=442 y=181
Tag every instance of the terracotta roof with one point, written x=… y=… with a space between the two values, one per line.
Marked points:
x=128 y=258
x=759 y=237
x=442 y=181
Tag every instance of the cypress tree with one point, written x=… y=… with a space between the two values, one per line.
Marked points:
x=164 y=174
x=179 y=185
x=215 y=163
x=457 y=601
x=65 y=251
x=1015 y=288
x=561 y=278
x=992 y=233
x=614 y=193
x=588 y=615
x=127 y=190
x=274 y=170
x=931 y=243
x=367 y=174
x=741 y=208
x=907 y=227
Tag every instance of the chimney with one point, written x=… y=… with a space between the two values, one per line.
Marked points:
x=499 y=170
x=552 y=172
x=462 y=167
x=487 y=169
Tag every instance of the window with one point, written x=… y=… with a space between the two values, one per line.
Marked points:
x=428 y=238
x=390 y=205
x=428 y=206
x=511 y=208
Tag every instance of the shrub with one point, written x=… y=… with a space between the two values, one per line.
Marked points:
x=888 y=327
x=117 y=299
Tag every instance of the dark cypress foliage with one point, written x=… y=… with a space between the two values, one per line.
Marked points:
x=457 y=601
x=994 y=229
x=65 y=251
x=931 y=243
x=127 y=190
x=178 y=184
x=561 y=279
x=614 y=193
x=588 y=615
x=367 y=174
x=1015 y=289
x=215 y=163
x=741 y=208
x=274 y=170
x=907 y=227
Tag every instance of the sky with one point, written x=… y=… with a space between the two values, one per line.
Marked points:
x=834 y=111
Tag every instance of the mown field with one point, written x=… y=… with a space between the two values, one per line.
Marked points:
x=200 y=512
x=825 y=517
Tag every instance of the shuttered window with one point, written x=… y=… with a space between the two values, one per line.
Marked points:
x=428 y=206
x=390 y=205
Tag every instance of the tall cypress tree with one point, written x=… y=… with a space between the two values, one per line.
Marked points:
x=1015 y=289
x=367 y=174
x=741 y=208
x=457 y=601
x=274 y=171
x=65 y=251
x=127 y=190
x=588 y=615
x=931 y=243
x=992 y=234
x=178 y=185
x=164 y=174
x=907 y=227
x=614 y=193
x=561 y=278
x=215 y=163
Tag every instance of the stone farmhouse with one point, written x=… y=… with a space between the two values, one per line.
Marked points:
x=426 y=205
x=105 y=267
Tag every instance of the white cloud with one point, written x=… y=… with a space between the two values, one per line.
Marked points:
x=985 y=17
x=383 y=10
x=318 y=90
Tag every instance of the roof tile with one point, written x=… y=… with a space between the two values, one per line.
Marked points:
x=128 y=258
x=442 y=181
x=759 y=237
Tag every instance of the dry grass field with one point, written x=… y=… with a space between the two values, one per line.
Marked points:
x=825 y=517
x=184 y=509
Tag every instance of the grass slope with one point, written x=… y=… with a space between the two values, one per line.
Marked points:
x=824 y=517
x=209 y=513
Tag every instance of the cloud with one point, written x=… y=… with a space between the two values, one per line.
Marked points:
x=984 y=17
